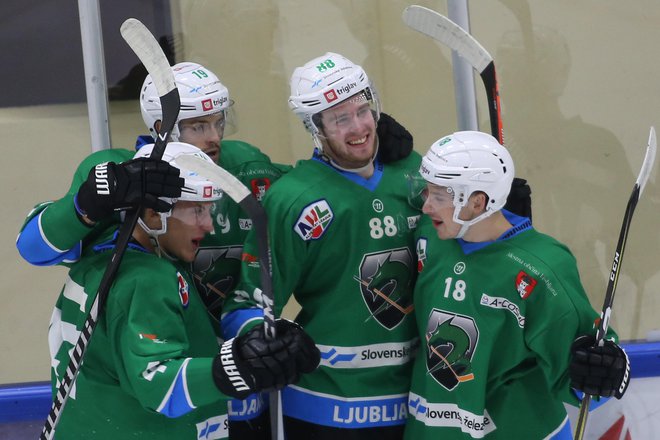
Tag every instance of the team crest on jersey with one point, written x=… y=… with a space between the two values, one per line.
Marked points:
x=184 y=293
x=215 y=269
x=314 y=220
x=525 y=284
x=421 y=253
x=386 y=280
x=259 y=187
x=451 y=340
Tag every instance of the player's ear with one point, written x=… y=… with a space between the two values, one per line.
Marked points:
x=157 y=125
x=151 y=218
x=478 y=201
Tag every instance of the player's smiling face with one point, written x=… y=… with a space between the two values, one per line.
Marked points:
x=349 y=132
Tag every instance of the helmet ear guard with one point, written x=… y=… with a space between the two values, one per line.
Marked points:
x=467 y=162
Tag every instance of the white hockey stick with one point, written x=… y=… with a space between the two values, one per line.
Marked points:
x=442 y=29
x=603 y=325
x=149 y=52
x=242 y=195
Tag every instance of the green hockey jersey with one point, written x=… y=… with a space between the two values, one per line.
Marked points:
x=496 y=321
x=147 y=370
x=344 y=247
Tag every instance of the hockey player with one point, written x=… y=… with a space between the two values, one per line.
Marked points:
x=498 y=306
x=153 y=368
x=55 y=231
x=344 y=248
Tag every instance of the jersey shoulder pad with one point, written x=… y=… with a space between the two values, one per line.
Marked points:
x=234 y=153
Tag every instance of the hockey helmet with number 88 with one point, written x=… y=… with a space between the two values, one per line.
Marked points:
x=325 y=82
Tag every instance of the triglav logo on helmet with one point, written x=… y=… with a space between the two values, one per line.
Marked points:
x=207 y=104
x=346 y=89
x=334 y=94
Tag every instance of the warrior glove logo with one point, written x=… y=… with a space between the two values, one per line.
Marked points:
x=101 y=177
x=229 y=367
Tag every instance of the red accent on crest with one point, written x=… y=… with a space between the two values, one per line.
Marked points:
x=207 y=105
x=259 y=187
x=183 y=290
x=525 y=284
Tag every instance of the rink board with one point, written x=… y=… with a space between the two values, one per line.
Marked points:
x=24 y=407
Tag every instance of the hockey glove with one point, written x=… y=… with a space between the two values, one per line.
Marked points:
x=519 y=200
x=251 y=363
x=394 y=141
x=599 y=371
x=110 y=186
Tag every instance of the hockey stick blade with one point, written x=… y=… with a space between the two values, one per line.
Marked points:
x=147 y=49
x=605 y=315
x=240 y=194
x=145 y=46
x=442 y=29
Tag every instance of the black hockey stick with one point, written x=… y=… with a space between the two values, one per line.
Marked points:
x=606 y=313
x=442 y=29
x=149 y=52
x=242 y=195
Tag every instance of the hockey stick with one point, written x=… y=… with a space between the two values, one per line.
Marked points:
x=605 y=314
x=240 y=194
x=149 y=52
x=442 y=29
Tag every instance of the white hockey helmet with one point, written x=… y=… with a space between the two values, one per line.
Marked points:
x=201 y=94
x=196 y=188
x=325 y=82
x=466 y=162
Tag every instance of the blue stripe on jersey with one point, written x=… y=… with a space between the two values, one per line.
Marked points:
x=518 y=225
x=178 y=401
x=371 y=183
x=233 y=323
x=328 y=410
x=35 y=248
x=240 y=410
x=563 y=432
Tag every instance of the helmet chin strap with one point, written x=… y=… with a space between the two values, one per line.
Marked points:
x=319 y=145
x=465 y=224
x=155 y=233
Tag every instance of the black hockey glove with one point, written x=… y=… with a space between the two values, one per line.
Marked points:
x=110 y=186
x=251 y=363
x=599 y=371
x=519 y=200
x=394 y=141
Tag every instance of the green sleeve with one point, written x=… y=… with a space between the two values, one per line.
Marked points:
x=161 y=344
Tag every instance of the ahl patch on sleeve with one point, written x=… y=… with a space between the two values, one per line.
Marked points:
x=314 y=220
